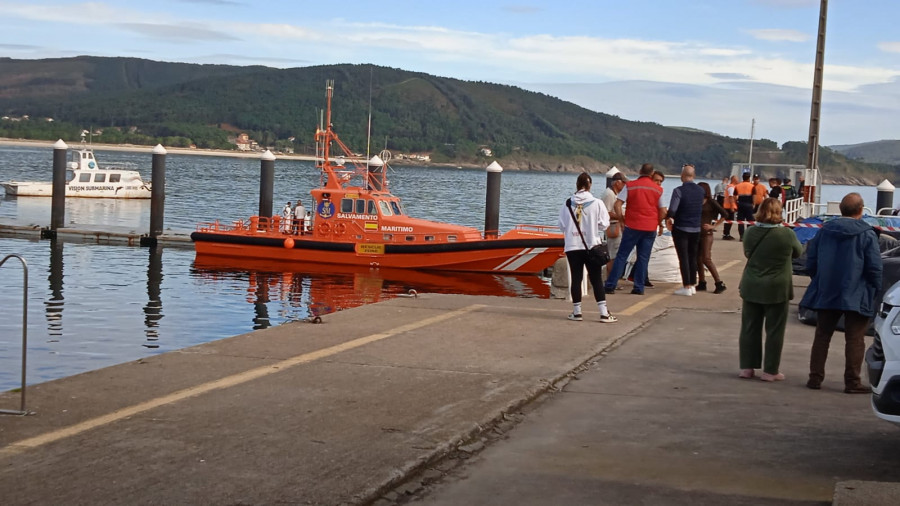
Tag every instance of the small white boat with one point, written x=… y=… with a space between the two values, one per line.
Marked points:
x=85 y=178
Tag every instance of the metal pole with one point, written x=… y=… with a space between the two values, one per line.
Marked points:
x=266 y=183
x=812 y=159
x=492 y=201
x=158 y=191
x=58 y=199
x=750 y=159
x=24 y=330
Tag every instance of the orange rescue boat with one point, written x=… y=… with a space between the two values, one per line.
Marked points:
x=357 y=221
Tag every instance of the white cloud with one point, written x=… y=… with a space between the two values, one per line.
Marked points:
x=889 y=47
x=779 y=35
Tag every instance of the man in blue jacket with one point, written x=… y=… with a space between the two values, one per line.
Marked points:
x=844 y=261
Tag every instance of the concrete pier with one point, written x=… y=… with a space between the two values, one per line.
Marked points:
x=453 y=399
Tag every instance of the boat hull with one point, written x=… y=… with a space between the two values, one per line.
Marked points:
x=34 y=189
x=503 y=255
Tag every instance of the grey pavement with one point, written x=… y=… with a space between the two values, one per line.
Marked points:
x=665 y=420
x=449 y=399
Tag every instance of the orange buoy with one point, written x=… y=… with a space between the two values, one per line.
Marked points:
x=289 y=243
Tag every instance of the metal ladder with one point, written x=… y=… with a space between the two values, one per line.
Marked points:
x=21 y=410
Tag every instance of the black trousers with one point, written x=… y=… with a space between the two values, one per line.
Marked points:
x=578 y=259
x=744 y=213
x=686 y=246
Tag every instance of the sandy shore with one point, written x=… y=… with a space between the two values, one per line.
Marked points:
x=147 y=149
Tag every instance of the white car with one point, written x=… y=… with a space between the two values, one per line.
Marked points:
x=883 y=358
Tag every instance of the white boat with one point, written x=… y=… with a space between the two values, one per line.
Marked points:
x=85 y=178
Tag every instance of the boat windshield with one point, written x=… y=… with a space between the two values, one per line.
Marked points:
x=396 y=207
x=385 y=208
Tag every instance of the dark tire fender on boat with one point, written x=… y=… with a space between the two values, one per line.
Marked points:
x=389 y=248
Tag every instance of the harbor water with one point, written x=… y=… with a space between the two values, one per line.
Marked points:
x=91 y=306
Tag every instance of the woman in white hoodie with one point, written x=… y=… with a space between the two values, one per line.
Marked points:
x=593 y=218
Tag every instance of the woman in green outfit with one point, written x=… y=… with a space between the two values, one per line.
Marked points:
x=766 y=289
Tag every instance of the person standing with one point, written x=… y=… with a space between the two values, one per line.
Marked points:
x=712 y=215
x=684 y=219
x=286 y=214
x=766 y=289
x=776 y=192
x=719 y=192
x=844 y=261
x=730 y=205
x=590 y=220
x=744 y=195
x=299 y=215
x=759 y=192
x=788 y=189
x=645 y=211
x=658 y=178
x=614 y=232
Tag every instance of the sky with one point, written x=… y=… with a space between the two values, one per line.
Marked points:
x=714 y=65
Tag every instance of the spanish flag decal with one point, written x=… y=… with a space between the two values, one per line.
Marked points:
x=371 y=225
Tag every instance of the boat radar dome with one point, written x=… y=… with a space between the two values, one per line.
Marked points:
x=375 y=161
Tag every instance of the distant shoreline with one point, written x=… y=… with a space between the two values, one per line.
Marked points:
x=136 y=148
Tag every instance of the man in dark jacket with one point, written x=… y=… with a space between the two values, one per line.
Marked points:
x=844 y=261
x=684 y=220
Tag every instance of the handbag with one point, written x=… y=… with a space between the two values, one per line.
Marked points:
x=598 y=256
x=613 y=231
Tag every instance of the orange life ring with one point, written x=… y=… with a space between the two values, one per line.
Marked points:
x=339 y=229
x=324 y=228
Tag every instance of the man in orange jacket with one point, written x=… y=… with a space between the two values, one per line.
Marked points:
x=730 y=205
x=760 y=192
x=743 y=193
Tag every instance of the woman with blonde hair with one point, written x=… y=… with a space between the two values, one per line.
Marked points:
x=766 y=289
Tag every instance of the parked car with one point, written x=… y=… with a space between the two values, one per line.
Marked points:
x=883 y=358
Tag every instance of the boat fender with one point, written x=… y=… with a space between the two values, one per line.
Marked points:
x=339 y=229
x=289 y=243
x=324 y=228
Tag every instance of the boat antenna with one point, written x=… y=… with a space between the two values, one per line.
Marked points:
x=369 y=131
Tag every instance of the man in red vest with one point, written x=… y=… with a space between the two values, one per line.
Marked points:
x=644 y=212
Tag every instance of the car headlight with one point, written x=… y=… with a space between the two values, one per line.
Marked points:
x=895 y=324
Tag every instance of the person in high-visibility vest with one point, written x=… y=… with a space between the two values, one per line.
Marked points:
x=744 y=195
x=730 y=205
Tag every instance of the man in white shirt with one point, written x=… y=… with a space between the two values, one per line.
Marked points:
x=614 y=232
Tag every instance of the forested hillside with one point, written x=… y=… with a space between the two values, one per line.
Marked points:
x=886 y=151
x=144 y=102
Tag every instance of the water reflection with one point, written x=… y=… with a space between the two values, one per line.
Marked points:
x=53 y=306
x=153 y=309
x=300 y=292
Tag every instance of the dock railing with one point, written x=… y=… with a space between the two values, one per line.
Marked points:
x=792 y=210
x=21 y=410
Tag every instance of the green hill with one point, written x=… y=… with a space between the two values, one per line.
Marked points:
x=885 y=151
x=177 y=104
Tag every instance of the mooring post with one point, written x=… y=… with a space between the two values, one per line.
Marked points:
x=885 y=198
x=492 y=201
x=157 y=192
x=58 y=199
x=266 y=184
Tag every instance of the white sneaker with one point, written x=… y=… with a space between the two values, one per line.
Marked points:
x=684 y=291
x=693 y=290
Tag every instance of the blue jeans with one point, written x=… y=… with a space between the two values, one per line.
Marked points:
x=630 y=239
